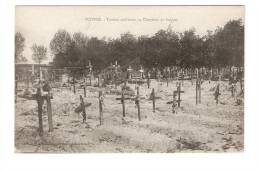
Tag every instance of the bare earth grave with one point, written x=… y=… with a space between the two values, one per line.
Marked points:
x=205 y=127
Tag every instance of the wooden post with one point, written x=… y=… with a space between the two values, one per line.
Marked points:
x=217 y=93
x=27 y=81
x=49 y=110
x=148 y=82
x=84 y=88
x=182 y=77
x=74 y=89
x=199 y=88
x=197 y=91
x=138 y=104
x=179 y=95
x=170 y=76
x=98 y=80
x=40 y=69
x=173 y=102
x=191 y=77
x=40 y=103
x=100 y=108
x=197 y=73
x=85 y=91
x=211 y=75
x=16 y=89
x=83 y=108
x=241 y=85
x=123 y=102
x=153 y=97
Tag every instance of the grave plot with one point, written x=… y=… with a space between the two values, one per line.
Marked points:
x=167 y=117
x=115 y=85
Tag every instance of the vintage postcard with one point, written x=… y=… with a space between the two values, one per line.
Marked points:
x=129 y=79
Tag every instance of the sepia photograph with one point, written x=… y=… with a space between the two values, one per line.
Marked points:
x=129 y=79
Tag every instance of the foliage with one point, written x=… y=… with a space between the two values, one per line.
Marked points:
x=19 y=47
x=223 y=46
x=39 y=53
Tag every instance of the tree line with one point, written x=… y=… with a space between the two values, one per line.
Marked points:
x=223 y=46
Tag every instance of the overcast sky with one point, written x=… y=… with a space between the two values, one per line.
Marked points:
x=38 y=24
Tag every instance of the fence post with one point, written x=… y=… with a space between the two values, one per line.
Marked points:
x=100 y=108
x=40 y=103
x=153 y=97
x=49 y=110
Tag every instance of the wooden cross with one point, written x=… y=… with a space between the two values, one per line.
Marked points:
x=217 y=93
x=116 y=66
x=123 y=101
x=182 y=77
x=90 y=71
x=101 y=100
x=129 y=70
x=137 y=102
x=39 y=99
x=174 y=102
x=233 y=89
x=153 y=98
x=40 y=96
x=141 y=72
x=74 y=88
x=198 y=91
x=90 y=66
x=82 y=104
x=148 y=79
x=178 y=91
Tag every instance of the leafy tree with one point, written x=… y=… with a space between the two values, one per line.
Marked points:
x=191 y=49
x=97 y=53
x=230 y=44
x=61 y=42
x=39 y=53
x=19 y=47
x=225 y=46
x=80 y=39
